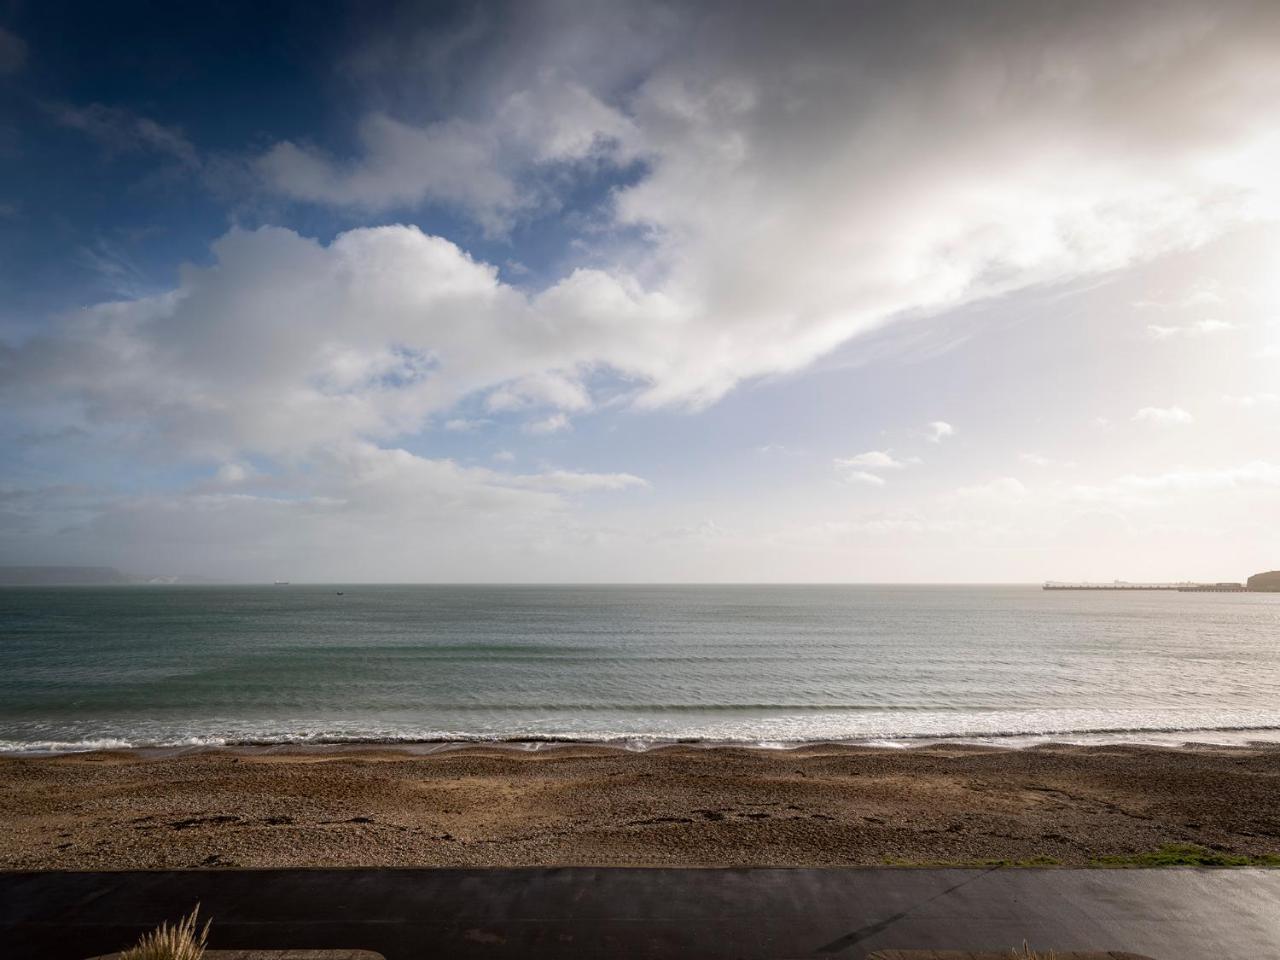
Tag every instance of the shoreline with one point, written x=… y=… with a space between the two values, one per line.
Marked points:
x=1161 y=737
x=679 y=805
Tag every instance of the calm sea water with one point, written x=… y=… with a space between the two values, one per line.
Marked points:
x=143 y=666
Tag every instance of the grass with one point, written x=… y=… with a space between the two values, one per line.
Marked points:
x=1187 y=855
x=1026 y=953
x=1039 y=861
x=1169 y=855
x=178 y=942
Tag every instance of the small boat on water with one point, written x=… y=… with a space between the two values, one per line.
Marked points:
x=282 y=583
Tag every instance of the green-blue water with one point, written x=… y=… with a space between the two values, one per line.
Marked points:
x=117 y=666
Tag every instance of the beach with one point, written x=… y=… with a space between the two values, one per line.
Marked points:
x=681 y=805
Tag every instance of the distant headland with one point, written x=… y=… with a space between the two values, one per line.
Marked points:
x=1268 y=582
x=70 y=576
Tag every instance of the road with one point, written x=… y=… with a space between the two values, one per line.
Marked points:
x=629 y=914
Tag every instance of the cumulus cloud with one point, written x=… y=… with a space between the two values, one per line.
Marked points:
x=783 y=214
x=777 y=221
x=1164 y=415
x=545 y=389
x=939 y=430
x=481 y=166
x=285 y=344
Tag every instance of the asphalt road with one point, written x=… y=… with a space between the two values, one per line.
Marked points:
x=619 y=913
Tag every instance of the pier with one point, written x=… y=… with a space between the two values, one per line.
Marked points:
x=1184 y=587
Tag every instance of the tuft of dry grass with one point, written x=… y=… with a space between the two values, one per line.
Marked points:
x=178 y=942
x=1026 y=953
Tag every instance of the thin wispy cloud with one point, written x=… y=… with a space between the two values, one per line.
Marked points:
x=863 y=477
x=554 y=423
x=1198 y=328
x=1039 y=460
x=1163 y=415
x=875 y=460
x=120 y=131
x=13 y=52
x=1253 y=400
x=869 y=468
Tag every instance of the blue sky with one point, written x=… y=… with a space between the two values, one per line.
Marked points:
x=548 y=291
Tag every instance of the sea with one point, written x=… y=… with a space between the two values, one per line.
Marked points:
x=190 y=667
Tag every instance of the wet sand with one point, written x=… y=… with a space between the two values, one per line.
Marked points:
x=676 y=806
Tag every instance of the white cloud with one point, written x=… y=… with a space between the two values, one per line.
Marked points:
x=478 y=165
x=463 y=424
x=874 y=460
x=1197 y=328
x=504 y=456
x=864 y=467
x=233 y=473
x=1202 y=294
x=1212 y=326
x=746 y=163
x=568 y=481
x=545 y=389
x=1158 y=487
x=940 y=430
x=863 y=476
x=449 y=162
x=1164 y=415
x=1249 y=401
x=1039 y=460
x=395 y=515
x=778 y=222
x=1001 y=489
x=551 y=424
x=787 y=187
x=285 y=344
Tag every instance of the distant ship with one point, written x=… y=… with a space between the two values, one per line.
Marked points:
x=282 y=583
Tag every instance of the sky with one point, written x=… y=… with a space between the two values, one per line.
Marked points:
x=644 y=291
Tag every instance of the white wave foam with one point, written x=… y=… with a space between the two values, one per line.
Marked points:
x=887 y=728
